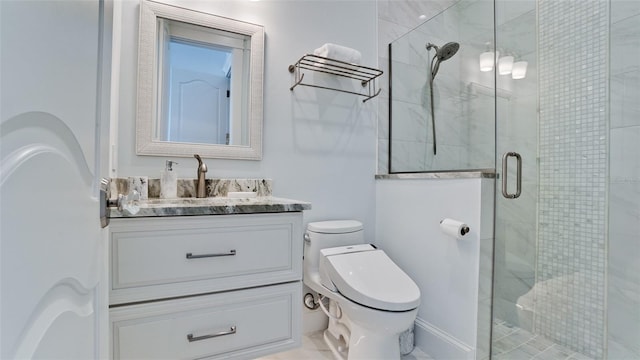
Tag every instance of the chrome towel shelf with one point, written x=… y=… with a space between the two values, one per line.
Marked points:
x=366 y=75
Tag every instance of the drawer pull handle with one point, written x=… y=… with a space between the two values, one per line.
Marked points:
x=192 y=338
x=191 y=256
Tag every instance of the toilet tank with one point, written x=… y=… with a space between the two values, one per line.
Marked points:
x=327 y=234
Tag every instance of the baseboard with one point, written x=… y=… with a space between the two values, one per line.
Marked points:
x=439 y=344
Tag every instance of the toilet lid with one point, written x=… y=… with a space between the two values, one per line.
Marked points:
x=372 y=279
x=335 y=226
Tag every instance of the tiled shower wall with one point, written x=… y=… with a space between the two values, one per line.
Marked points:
x=396 y=18
x=573 y=79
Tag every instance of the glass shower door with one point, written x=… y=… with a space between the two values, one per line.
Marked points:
x=517 y=173
x=549 y=293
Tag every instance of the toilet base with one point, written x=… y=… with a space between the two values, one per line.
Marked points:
x=337 y=347
x=367 y=347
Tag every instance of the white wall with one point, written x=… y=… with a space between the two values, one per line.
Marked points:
x=447 y=270
x=319 y=145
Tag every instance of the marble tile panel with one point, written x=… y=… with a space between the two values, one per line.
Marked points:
x=487 y=201
x=408 y=156
x=409 y=83
x=516 y=35
x=407 y=11
x=624 y=270
x=623 y=9
x=411 y=50
x=410 y=122
x=624 y=230
x=619 y=351
x=480 y=155
x=451 y=125
x=509 y=10
x=625 y=92
x=523 y=209
x=448 y=157
x=475 y=17
x=624 y=141
x=625 y=45
x=389 y=32
x=383 y=157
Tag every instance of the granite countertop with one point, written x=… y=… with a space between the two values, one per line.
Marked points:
x=212 y=206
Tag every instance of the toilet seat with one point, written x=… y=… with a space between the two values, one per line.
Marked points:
x=370 y=278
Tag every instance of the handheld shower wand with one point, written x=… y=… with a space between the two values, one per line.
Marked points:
x=442 y=53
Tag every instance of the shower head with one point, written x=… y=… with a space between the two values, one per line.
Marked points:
x=445 y=52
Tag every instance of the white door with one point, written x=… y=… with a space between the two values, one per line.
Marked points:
x=199 y=107
x=52 y=249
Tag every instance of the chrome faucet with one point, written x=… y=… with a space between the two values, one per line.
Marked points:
x=200 y=184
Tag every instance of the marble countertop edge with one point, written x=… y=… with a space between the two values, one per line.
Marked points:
x=212 y=206
x=458 y=174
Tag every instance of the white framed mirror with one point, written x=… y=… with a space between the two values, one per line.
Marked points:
x=199 y=84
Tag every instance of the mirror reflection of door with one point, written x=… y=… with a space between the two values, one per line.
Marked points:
x=195 y=99
x=195 y=91
x=199 y=108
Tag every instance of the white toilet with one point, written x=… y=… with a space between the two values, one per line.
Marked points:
x=371 y=300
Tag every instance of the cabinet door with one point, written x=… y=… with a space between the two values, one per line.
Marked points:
x=51 y=244
x=159 y=258
x=242 y=324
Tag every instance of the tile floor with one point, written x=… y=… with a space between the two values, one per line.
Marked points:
x=513 y=343
x=314 y=348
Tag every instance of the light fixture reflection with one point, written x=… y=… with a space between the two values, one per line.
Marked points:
x=486 y=61
x=505 y=65
x=519 y=70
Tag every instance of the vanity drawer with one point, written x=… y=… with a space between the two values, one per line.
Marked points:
x=254 y=322
x=166 y=257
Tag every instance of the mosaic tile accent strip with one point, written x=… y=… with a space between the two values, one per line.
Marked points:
x=569 y=298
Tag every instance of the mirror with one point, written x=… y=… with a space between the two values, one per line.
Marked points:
x=199 y=84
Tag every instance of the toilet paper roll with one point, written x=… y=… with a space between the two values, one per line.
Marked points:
x=454 y=228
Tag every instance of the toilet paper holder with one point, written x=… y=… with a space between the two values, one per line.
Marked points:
x=454 y=228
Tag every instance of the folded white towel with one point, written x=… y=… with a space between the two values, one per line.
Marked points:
x=339 y=52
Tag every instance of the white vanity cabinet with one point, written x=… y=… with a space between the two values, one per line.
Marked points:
x=218 y=286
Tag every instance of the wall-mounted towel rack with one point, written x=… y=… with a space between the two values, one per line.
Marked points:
x=366 y=75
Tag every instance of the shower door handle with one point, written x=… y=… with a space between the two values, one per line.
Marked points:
x=505 y=161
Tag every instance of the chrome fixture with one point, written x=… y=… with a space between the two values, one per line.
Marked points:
x=367 y=76
x=192 y=338
x=505 y=170
x=310 y=301
x=201 y=182
x=445 y=52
